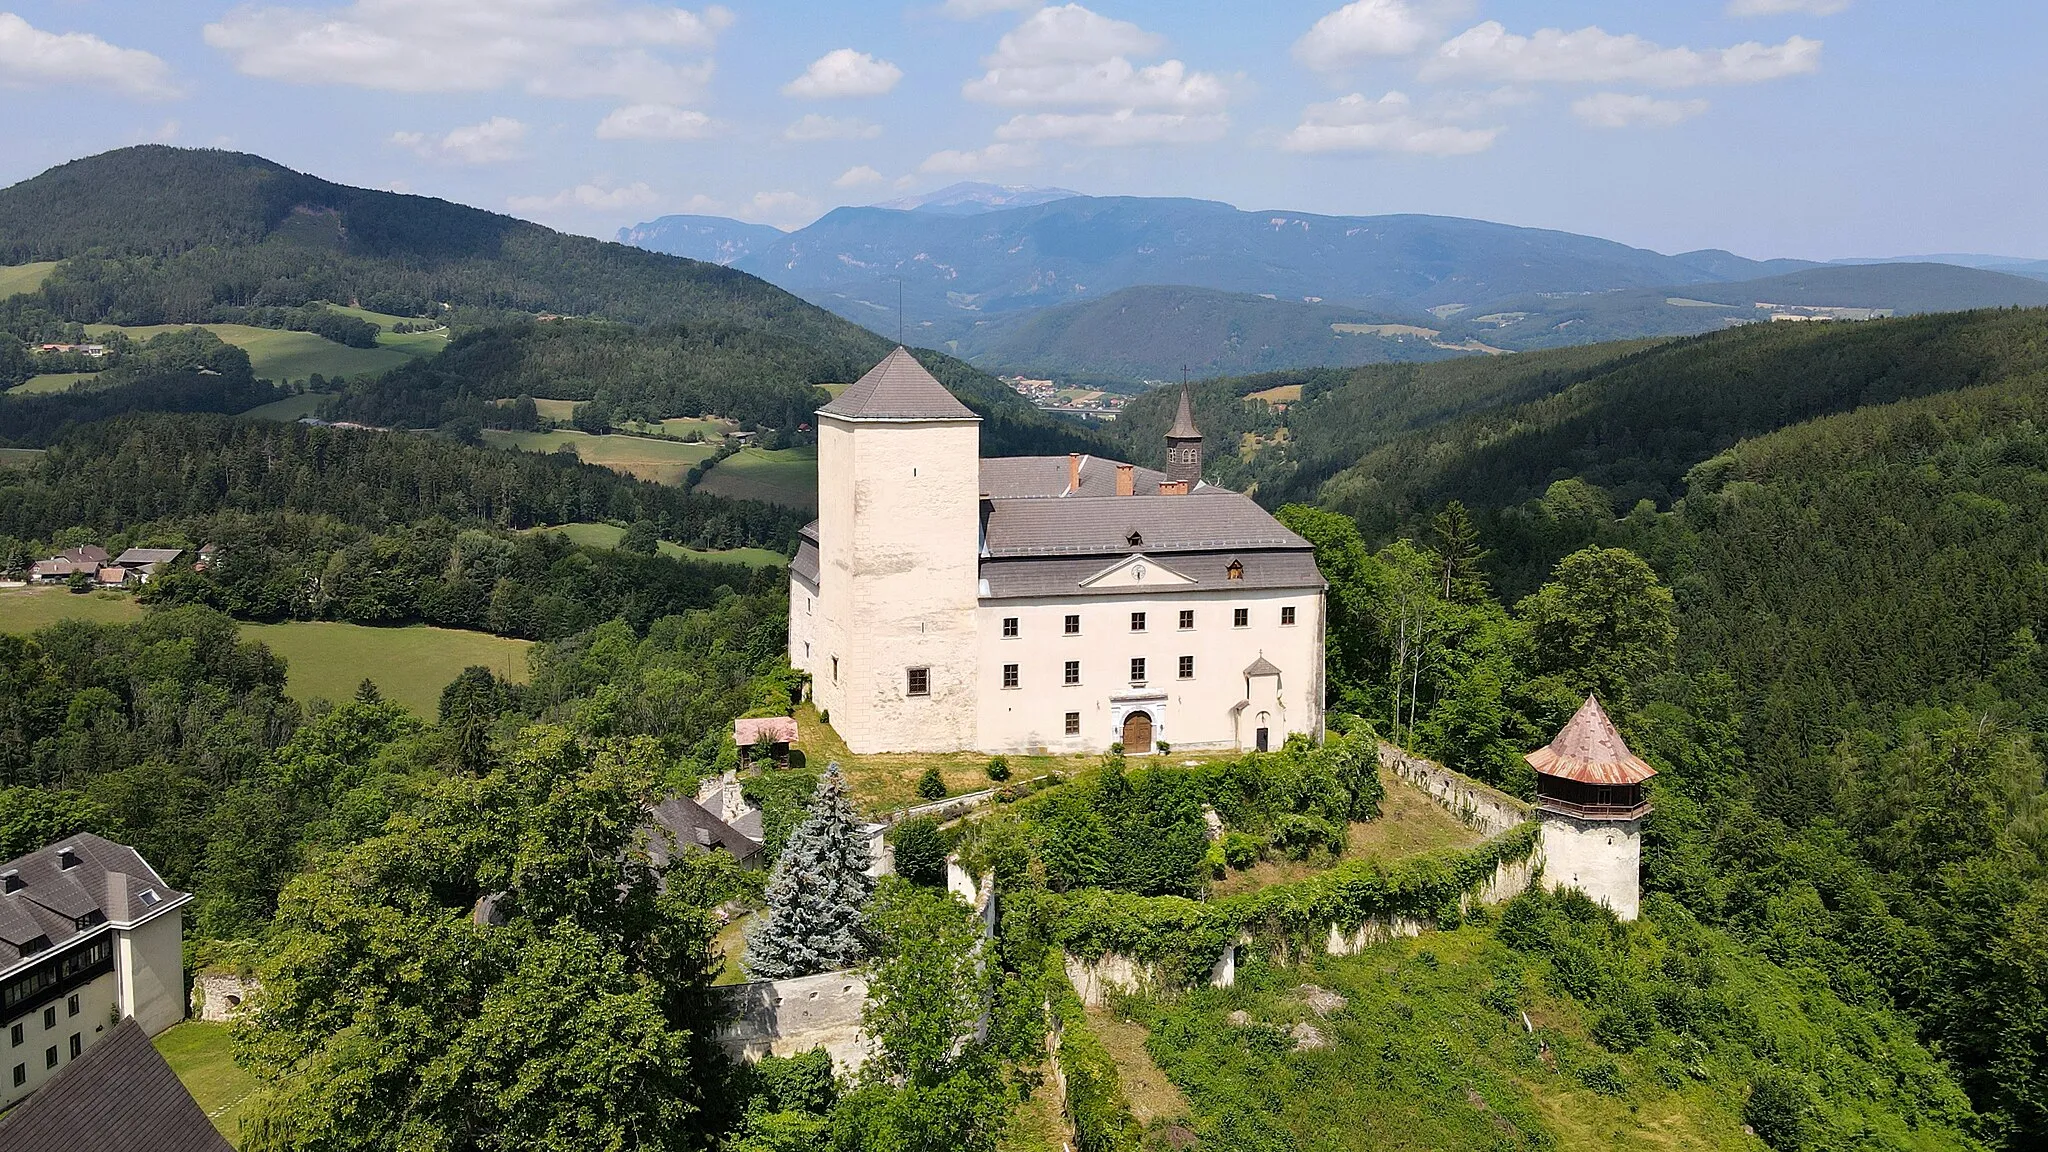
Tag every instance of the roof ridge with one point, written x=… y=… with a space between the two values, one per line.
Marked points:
x=898 y=388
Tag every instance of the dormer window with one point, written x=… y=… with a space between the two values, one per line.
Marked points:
x=1135 y=540
x=1235 y=571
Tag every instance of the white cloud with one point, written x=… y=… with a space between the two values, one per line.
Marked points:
x=565 y=48
x=1071 y=34
x=1072 y=57
x=493 y=141
x=815 y=127
x=654 y=122
x=1591 y=55
x=1389 y=124
x=1117 y=129
x=974 y=9
x=592 y=197
x=1617 y=110
x=1786 y=7
x=843 y=72
x=858 y=176
x=1359 y=29
x=33 y=58
x=993 y=156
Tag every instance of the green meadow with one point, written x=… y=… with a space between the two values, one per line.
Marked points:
x=27 y=609
x=662 y=461
x=291 y=407
x=19 y=457
x=279 y=355
x=409 y=665
x=594 y=535
x=49 y=382
x=19 y=278
x=198 y=1053
x=786 y=476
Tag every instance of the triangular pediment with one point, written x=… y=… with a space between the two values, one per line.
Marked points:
x=1136 y=572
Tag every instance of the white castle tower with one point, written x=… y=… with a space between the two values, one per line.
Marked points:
x=1590 y=800
x=894 y=645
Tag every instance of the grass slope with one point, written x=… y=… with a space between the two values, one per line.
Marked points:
x=19 y=457
x=20 y=278
x=409 y=665
x=593 y=535
x=275 y=354
x=291 y=407
x=787 y=476
x=50 y=382
x=662 y=461
x=198 y=1052
x=29 y=609
x=1410 y=824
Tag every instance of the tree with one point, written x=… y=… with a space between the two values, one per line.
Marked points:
x=816 y=894
x=931 y=785
x=1457 y=545
x=921 y=851
x=470 y=705
x=1604 y=623
x=641 y=539
x=368 y=693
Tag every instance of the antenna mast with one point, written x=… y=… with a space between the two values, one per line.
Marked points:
x=899 y=311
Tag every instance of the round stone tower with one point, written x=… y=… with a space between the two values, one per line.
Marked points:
x=1184 y=446
x=1591 y=804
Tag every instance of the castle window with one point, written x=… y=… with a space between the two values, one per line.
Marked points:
x=918 y=681
x=810 y=605
x=71 y=1006
x=1137 y=669
x=1241 y=618
x=77 y=1045
x=1009 y=627
x=1287 y=614
x=1009 y=675
x=1073 y=723
x=807 y=651
x=50 y=1056
x=50 y=1017
x=1073 y=626
x=1135 y=540
x=1072 y=674
x=1187 y=619
x=20 y=1075
x=14 y=1036
x=1187 y=667
x=835 y=669
x=1234 y=572
x=1137 y=621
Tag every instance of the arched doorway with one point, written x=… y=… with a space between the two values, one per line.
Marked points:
x=1137 y=733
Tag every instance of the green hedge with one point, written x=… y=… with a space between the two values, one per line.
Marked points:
x=1185 y=938
x=1096 y=1104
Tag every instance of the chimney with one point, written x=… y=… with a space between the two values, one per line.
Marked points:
x=1073 y=472
x=1126 y=480
x=66 y=859
x=10 y=881
x=1173 y=487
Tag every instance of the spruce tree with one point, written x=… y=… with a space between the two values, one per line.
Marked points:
x=817 y=893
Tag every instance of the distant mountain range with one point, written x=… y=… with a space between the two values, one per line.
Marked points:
x=1039 y=279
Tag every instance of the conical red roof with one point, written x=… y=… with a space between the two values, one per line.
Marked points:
x=1590 y=751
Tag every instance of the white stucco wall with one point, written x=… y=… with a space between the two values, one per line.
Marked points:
x=149 y=960
x=96 y=1003
x=1194 y=713
x=803 y=625
x=1602 y=858
x=898 y=527
x=791 y=1017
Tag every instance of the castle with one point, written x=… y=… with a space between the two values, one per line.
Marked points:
x=944 y=602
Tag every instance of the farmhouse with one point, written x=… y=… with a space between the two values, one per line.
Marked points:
x=943 y=602
x=59 y=568
x=89 y=934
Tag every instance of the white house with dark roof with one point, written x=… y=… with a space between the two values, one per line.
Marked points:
x=89 y=934
x=942 y=602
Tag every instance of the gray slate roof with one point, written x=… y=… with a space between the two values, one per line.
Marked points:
x=1262 y=667
x=119 y=1096
x=149 y=555
x=1045 y=477
x=110 y=882
x=898 y=388
x=1184 y=420
x=1217 y=520
x=1027 y=577
x=694 y=828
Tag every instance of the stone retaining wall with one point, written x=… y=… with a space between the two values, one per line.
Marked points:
x=1486 y=810
x=220 y=997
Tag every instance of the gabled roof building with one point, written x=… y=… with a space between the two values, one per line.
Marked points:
x=945 y=602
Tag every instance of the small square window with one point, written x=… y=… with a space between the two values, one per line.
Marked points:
x=1137 y=669
x=1287 y=614
x=50 y=1056
x=918 y=681
x=1009 y=675
x=20 y=1075
x=1241 y=618
x=50 y=1016
x=77 y=1044
x=1187 y=667
x=71 y=1006
x=1137 y=621
x=1009 y=627
x=1187 y=619
x=1073 y=723
x=1073 y=625
x=1072 y=675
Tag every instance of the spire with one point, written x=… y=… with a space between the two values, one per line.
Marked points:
x=1590 y=751
x=1184 y=421
x=898 y=388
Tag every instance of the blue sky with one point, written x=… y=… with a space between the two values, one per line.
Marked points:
x=1813 y=128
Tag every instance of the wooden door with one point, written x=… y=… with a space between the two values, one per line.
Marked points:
x=1137 y=734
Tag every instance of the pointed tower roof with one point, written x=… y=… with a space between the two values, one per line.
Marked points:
x=1590 y=751
x=1184 y=421
x=898 y=388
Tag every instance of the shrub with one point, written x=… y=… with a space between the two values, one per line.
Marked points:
x=920 y=851
x=998 y=769
x=1777 y=1109
x=931 y=785
x=1241 y=849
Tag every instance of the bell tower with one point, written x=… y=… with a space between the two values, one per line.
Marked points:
x=1184 y=446
x=1590 y=803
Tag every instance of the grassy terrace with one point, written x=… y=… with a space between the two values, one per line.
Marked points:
x=1410 y=824
x=50 y=382
x=786 y=476
x=18 y=278
x=593 y=535
x=198 y=1052
x=662 y=461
